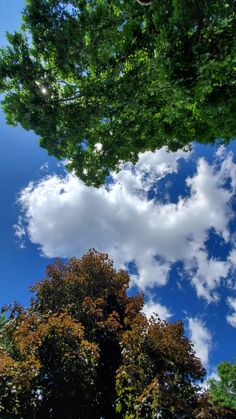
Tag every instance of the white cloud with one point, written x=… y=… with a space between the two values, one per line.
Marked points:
x=44 y=168
x=66 y=218
x=20 y=232
x=231 y=318
x=201 y=338
x=153 y=307
x=232 y=256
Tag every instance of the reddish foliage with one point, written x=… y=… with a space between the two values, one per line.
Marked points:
x=83 y=349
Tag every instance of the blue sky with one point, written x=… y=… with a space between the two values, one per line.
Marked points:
x=170 y=220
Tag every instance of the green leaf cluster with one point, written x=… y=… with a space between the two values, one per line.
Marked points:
x=223 y=390
x=129 y=78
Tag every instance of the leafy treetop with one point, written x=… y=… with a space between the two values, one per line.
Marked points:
x=83 y=349
x=223 y=391
x=101 y=81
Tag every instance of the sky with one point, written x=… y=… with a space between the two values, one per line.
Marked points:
x=169 y=220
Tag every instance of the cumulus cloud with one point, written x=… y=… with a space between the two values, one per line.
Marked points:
x=201 y=339
x=231 y=318
x=154 y=307
x=66 y=218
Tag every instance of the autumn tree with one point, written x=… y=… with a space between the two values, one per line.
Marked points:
x=101 y=81
x=223 y=390
x=84 y=349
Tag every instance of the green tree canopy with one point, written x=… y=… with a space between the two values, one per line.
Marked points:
x=83 y=349
x=100 y=81
x=223 y=391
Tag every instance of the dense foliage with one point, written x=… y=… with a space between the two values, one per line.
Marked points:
x=83 y=349
x=207 y=409
x=100 y=81
x=223 y=391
